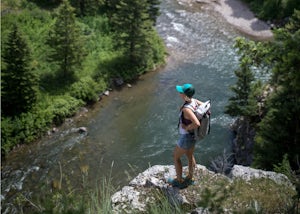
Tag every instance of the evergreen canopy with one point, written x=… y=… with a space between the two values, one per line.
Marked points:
x=19 y=83
x=66 y=42
x=278 y=127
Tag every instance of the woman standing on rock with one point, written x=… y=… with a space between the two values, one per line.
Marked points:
x=186 y=143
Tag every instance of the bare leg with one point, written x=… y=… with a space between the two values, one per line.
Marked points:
x=191 y=161
x=178 y=152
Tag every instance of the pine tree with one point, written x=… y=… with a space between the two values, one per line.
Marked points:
x=110 y=8
x=19 y=84
x=153 y=10
x=87 y=7
x=132 y=25
x=239 y=104
x=279 y=131
x=66 y=42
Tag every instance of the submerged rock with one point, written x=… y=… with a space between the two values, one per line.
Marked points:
x=106 y=93
x=82 y=129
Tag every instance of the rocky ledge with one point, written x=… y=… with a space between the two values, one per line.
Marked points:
x=244 y=188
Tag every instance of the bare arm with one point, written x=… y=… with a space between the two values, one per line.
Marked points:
x=189 y=114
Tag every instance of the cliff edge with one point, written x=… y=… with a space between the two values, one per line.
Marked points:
x=242 y=190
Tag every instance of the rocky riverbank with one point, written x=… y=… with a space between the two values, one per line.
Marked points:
x=270 y=192
x=238 y=14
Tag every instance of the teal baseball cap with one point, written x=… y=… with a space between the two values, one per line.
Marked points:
x=187 y=89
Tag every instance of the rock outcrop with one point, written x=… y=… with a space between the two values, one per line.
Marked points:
x=244 y=132
x=243 y=142
x=142 y=191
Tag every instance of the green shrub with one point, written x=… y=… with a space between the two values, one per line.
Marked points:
x=7 y=142
x=24 y=129
x=100 y=44
x=290 y=6
x=284 y=167
x=158 y=50
x=64 y=106
x=271 y=10
x=85 y=90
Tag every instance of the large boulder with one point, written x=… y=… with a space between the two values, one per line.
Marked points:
x=142 y=191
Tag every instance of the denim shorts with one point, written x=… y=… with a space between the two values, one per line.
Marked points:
x=186 y=141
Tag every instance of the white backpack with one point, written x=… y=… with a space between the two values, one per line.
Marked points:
x=202 y=113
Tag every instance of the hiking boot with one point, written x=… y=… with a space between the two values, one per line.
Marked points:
x=175 y=183
x=189 y=181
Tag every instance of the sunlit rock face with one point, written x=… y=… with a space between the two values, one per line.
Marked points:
x=142 y=191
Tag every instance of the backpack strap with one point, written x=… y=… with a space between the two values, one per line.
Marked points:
x=209 y=119
x=184 y=105
x=181 y=114
x=209 y=126
x=189 y=105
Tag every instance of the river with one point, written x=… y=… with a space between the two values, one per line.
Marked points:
x=136 y=127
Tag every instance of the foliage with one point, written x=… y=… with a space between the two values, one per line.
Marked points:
x=268 y=198
x=274 y=9
x=134 y=31
x=91 y=60
x=157 y=53
x=7 y=141
x=212 y=192
x=29 y=126
x=87 y=7
x=239 y=103
x=278 y=9
x=61 y=198
x=249 y=88
x=18 y=81
x=294 y=176
x=279 y=131
x=153 y=10
x=64 y=197
x=84 y=90
x=64 y=106
x=163 y=204
x=34 y=24
x=23 y=129
x=218 y=194
x=213 y=200
x=255 y=52
x=271 y=9
x=284 y=167
x=100 y=200
x=275 y=115
x=66 y=43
